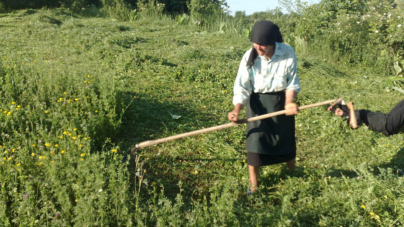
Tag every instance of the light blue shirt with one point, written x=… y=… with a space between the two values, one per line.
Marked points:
x=277 y=74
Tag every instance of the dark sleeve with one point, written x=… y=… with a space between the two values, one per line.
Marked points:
x=359 y=120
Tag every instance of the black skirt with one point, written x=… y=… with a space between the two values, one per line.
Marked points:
x=270 y=140
x=254 y=159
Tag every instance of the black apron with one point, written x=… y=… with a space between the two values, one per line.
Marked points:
x=271 y=140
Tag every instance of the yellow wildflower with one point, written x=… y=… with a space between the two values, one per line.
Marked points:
x=82 y=159
x=70 y=134
x=52 y=152
x=363 y=206
x=64 y=93
x=9 y=113
x=83 y=154
x=74 y=137
x=114 y=150
x=61 y=137
x=56 y=145
x=47 y=112
x=10 y=158
x=33 y=154
x=96 y=111
x=13 y=103
x=13 y=150
x=34 y=145
x=4 y=158
x=75 y=129
x=76 y=99
x=371 y=213
x=5 y=152
x=63 y=151
x=18 y=164
x=65 y=133
x=5 y=111
x=85 y=138
x=47 y=144
x=18 y=106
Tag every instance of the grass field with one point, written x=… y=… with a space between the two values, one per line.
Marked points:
x=77 y=93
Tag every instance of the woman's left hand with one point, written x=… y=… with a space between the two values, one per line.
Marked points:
x=291 y=109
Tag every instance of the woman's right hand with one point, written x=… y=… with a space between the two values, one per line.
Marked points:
x=350 y=105
x=233 y=115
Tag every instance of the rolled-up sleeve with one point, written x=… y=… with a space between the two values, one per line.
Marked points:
x=292 y=80
x=242 y=86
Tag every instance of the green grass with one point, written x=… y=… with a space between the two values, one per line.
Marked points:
x=128 y=78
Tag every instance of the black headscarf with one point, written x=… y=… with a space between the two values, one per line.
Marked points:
x=264 y=33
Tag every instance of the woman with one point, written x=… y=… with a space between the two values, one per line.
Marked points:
x=267 y=82
x=388 y=124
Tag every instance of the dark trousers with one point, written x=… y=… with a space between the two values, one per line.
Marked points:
x=395 y=118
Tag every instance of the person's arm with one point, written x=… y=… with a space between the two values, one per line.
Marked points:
x=290 y=105
x=352 y=117
x=242 y=89
x=339 y=101
x=292 y=87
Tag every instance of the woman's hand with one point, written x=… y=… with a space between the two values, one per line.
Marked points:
x=339 y=101
x=233 y=115
x=291 y=109
x=350 y=105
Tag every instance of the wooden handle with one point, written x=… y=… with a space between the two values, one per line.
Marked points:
x=219 y=127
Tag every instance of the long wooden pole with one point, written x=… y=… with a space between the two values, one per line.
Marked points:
x=219 y=127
